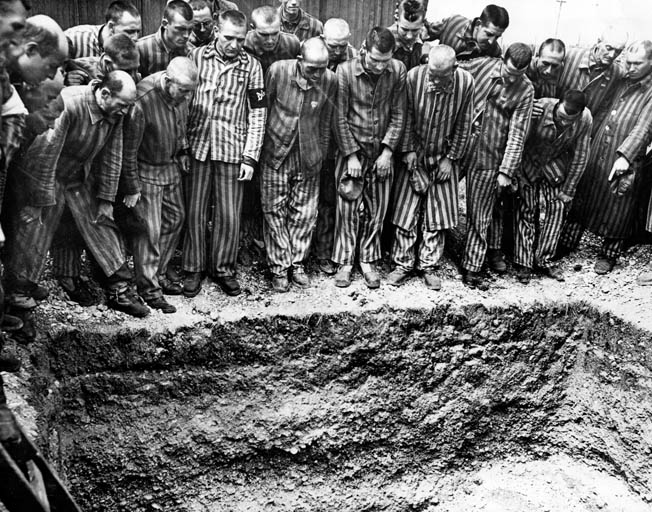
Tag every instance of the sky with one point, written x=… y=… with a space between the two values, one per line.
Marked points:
x=580 y=24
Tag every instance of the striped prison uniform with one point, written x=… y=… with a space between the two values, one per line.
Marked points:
x=624 y=131
x=542 y=87
x=155 y=55
x=160 y=126
x=304 y=26
x=370 y=115
x=225 y=128
x=597 y=82
x=67 y=248
x=457 y=32
x=57 y=169
x=438 y=125
x=502 y=117
x=553 y=163
x=288 y=46
x=296 y=140
x=85 y=41
x=325 y=229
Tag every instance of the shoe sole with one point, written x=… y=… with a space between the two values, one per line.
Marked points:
x=191 y=293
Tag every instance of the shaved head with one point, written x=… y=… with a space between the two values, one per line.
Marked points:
x=442 y=57
x=610 y=45
x=44 y=49
x=614 y=36
x=313 y=60
x=182 y=69
x=336 y=28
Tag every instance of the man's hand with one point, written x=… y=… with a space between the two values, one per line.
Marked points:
x=504 y=181
x=444 y=170
x=131 y=200
x=76 y=77
x=537 y=109
x=621 y=166
x=184 y=163
x=383 y=164
x=564 y=198
x=104 y=209
x=246 y=172
x=410 y=160
x=30 y=213
x=353 y=166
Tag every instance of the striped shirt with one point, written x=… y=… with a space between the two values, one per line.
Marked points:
x=161 y=131
x=560 y=158
x=85 y=41
x=438 y=122
x=299 y=113
x=304 y=27
x=370 y=112
x=457 y=32
x=504 y=114
x=581 y=72
x=227 y=113
x=288 y=46
x=155 y=55
x=65 y=153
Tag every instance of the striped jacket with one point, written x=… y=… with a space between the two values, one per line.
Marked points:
x=367 y=115
x=305 y=27
x=85 y=41
x=502 y=112
x=65 y=153
x=438 y=123
x=299 y=112
x=161 y=131
x=580 y=72
x=227 y=113
x=155 y=55
x=625 y=130
x=287 y=47
x=560 y=158
x=457 y=32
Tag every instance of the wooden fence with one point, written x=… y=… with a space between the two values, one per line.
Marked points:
x=361 y=15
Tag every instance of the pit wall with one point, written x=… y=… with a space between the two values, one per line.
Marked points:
x=212 y=413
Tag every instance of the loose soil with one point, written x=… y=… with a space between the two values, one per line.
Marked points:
x=520 y=398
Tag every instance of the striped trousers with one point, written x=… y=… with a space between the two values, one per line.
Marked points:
x=325 y=229
x=359 y=223
x=431 y=214
x=216 y=181
x=29 y=249
x=538 y=220
x=161 y=208
x=289 y=198
x=481 y=200
x=572 y=235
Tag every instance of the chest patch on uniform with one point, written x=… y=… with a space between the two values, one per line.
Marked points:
x=257 y=98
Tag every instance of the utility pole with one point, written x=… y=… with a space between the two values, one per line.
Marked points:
x=561 y=4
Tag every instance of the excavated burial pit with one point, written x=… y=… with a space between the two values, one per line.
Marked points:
x=449 y=409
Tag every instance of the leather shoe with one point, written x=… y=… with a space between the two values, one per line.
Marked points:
x=604 y=265
x=398 y=276
x=300 y=278
x=474 y=280
x=192 y=284
x=372 y=279
x=11 y=323
x=128 y=302
x=327 y=267
x=343 y=278
x=161 y=304
x=432 y=280
x=280 y=284
x=496 y=260
x=229 y=285
x=523 y=274
x=78 y=291
x=169 y=287
x=553 y=273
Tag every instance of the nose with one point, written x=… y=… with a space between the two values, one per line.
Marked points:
x=491 y=39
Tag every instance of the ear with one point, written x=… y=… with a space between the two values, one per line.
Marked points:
x=164 y=22
x=105 y=93
x=110 y=25
x=109 y=63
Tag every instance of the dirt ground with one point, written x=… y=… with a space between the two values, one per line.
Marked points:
x=276 y=402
